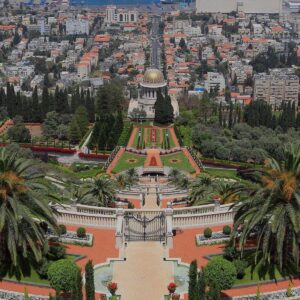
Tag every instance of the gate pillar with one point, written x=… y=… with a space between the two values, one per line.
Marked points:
x=169 y=226
x=119 y=227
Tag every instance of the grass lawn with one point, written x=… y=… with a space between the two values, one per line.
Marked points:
x=222 y=173
x=127 y=161
x=186 y=132
x=35 y=278
x=148 y=138
x=177 y=161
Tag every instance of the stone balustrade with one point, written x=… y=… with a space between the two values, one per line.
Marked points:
x=205 y=215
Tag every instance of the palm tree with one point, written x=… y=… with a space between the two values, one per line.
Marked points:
x=100 y=191
x=23 y=206
x=200 y=190
x=271 y=211
x=131 y=176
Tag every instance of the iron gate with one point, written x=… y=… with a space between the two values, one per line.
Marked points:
x=139 y=227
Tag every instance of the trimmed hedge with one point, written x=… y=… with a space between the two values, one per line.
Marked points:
x=220 y=273
x=207 y=233
x=81 y=232
x=227 y=230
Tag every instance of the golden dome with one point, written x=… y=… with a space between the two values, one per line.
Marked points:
x=153 y=76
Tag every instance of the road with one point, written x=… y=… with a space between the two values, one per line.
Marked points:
x=155 y=44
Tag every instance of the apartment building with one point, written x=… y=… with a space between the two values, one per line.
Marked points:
x=115 y=15
x=276 y=87
x=214 y=81
x=77 y=26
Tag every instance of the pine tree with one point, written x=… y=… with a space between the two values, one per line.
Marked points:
x=193 y=273
x=74 y=131
x=89 y=281
x=220 y=115
x=82 y=120
x=90 y=106
x=36 y=113
x=45 y=102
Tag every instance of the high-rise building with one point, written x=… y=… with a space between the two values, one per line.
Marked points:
x=77 y=26
x=276 y=88
x=115 y=15
x=247 y=6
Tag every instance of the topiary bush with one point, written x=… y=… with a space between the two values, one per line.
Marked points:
x=226 y=230
x=62 y=275
x=81 y=232
x=62 y=229
x=240 y=266
x=230 y=253
x=43 y=269
x=220 y=273
x=207 y=233
x=57 y=252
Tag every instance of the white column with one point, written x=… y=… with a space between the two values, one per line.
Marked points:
x=119 y=228
x=169 y=229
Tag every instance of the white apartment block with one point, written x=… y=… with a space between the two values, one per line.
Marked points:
x=115 y=15
x=77 y=26
x=247 y=6
x=276 y=88
x=214 y=81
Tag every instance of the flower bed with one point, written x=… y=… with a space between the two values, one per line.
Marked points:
x=71 y=237
x=18 y=296
x=51 y=149
x=216 y=238
x=93 y=155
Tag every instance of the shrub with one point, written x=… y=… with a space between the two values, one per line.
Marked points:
x=230 y=253
x=62 y=229
x=240 y=266
x=62 y=275
x=207 y=233
x=220 y=273
x=227 y=230
x=43 y=269
x=289 y=290
x=89 y=281
x=81 y=232
x=57 y=252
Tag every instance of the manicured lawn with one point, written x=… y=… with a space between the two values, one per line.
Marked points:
x=129 y=160
x=222 y=173
x=148 y=138
x=165 y=131
x=186 y=132
x=177 y=161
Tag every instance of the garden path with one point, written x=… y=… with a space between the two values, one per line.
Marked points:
x=150 y=198
x=144 y=274
x=191 y=160
x=174 y=137
x=115 y=160
x=156 y=154
x=132 y=136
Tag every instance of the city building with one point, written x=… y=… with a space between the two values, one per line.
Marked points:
x=247 y=6
x=116 y=15
x=276 y=88
x=214 y=81
x=77 y=26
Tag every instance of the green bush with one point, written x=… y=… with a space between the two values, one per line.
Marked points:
x=230 y=253
x=43 y=269
x=62 y=229
x=227 y=230
x=207 y=233
x=220 y=273
x=240 y=266
x=62 y=275
x=81 y=232
x=57 y=252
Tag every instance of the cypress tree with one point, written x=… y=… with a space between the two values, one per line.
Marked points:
x=230 y=118
x=89 y=281
x=201 y=286
x=90 y=106
x=81 y=117
x=45 y=102
x=159 y=108
x=36 y=114
x=193 y=273
x=74 y=131
x=220 y=115
x=77 y=289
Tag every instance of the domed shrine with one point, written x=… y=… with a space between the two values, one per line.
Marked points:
x=153 y=83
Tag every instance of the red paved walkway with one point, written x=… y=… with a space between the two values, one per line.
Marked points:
x=132 y=136
x=115 y=161
x=103 y=248
x=191 y=160
x=174 y=137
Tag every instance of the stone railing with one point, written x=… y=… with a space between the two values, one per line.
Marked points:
x=101 y=217
x=206 y=219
